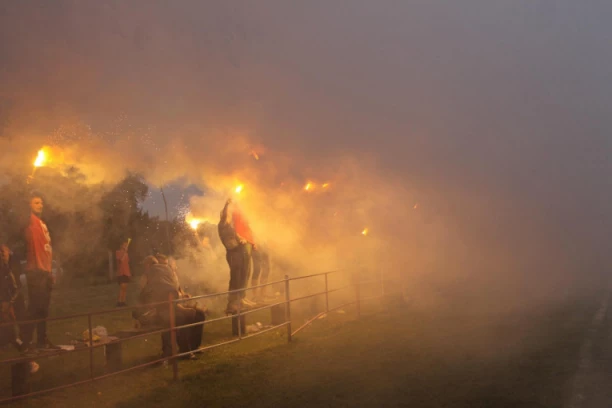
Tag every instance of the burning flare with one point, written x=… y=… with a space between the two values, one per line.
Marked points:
x=41 y=158
x=239 y=189
x=193 y=222
x=311 y=186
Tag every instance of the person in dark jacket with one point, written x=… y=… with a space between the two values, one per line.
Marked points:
x=9 y=294
x=158 y=283
x=261 y=271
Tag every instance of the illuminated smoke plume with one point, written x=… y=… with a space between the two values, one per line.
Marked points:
x=462 y=166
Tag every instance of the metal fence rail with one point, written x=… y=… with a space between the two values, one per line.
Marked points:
x=173 y=328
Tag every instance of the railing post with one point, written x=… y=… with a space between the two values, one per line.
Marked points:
x=239 y=321
x=326 y=295
x=357 y=294
x=288 y=308
x=91 y=356
x=173 y=337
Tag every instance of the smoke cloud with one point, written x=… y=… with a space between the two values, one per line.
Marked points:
x=470 y=140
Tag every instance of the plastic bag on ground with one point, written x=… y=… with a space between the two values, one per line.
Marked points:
x=253 y=328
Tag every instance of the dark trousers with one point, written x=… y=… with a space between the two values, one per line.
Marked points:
x=189 y=338
x=239 y=261
x=261 y=267
x=39 y=299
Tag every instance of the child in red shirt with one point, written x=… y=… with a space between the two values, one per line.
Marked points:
x=124 y=275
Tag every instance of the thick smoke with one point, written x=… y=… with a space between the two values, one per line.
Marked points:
x=449 y=131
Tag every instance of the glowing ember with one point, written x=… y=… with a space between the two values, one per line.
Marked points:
x=239 y=189
x=254 y=154
x=364 y=232
x=325 y=185
x=41 y=158
x=415 y=206
x=308 y=187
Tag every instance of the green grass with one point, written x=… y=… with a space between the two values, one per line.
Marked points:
x=396 y=357
x=72 y=367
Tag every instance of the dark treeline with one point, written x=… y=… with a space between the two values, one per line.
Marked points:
x=87 y=220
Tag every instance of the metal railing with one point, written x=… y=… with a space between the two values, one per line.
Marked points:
x=173 y=328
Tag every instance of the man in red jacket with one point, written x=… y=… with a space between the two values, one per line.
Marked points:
x=38 y=272
x=238 y=254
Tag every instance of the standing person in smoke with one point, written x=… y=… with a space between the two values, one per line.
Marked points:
x=124 y=276
x=261 y=271
x=9 y=295
x=38 y=271
x=238 y=258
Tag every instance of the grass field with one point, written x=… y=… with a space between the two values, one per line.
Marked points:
x=390 y=357
x=71 y=367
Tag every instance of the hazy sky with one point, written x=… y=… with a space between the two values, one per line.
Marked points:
x=499 y=101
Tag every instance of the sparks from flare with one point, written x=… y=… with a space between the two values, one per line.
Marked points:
x=364 y=232
x=308 y=186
